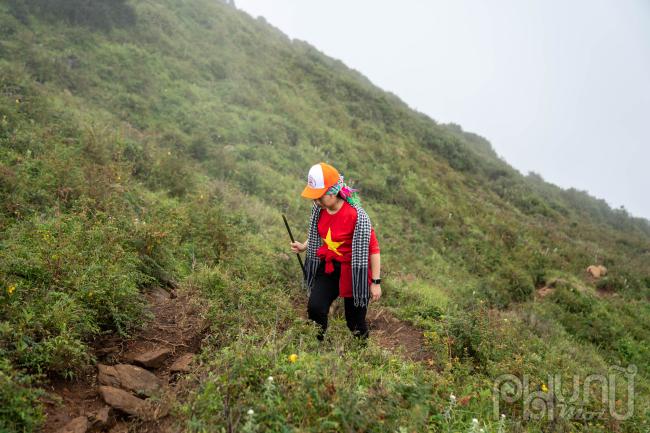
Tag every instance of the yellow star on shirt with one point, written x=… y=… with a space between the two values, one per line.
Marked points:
x=331 y=245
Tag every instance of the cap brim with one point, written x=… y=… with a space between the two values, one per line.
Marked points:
x=313 y=193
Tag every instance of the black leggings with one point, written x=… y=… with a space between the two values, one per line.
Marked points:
x=324 y=292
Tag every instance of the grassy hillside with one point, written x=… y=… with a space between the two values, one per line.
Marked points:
x=157 y=140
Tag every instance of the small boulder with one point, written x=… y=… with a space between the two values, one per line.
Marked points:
x=107 y=375
x=160 y=293
x=153 y=358
x=125 y=402
x=594 y=271
x=103 y=418
x=129 y=377
x=182 y=364
x=77 y=425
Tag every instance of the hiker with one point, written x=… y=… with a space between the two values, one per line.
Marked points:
x=342 y=251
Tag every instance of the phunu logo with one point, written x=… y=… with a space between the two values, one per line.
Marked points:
x=311 y=181
x=554 y=402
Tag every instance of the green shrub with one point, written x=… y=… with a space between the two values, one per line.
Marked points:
x=467 y=335
x=20 y=408
x=619 y=282
x=70 y=278
x=570 y=299
x=506 y=286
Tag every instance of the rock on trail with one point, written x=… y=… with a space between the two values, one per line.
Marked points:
x=130 y=378
x=117 y=397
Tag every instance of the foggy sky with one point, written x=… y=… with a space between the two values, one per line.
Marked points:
x=561 y=88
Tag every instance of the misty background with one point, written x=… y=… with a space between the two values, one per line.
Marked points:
x=558 y=88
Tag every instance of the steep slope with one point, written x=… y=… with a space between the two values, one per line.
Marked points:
x=161 y=139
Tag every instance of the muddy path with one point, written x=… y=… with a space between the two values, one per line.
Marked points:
x=135 y=381
x=386 y=330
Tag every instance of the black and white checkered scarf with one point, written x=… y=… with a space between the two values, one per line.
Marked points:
x=360 y=246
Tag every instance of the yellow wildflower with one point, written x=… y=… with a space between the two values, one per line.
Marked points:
x=11 y=289
x=293 y=357
x=544 y=387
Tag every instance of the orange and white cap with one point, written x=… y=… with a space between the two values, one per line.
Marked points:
x=320 y=178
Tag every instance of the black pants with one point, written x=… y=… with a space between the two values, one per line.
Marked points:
x=324 y=292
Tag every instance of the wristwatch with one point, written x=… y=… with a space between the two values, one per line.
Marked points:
x=377 y=281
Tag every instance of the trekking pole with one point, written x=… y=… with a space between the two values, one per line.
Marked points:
x=286 y=224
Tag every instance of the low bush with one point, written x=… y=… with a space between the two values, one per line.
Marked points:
x=20 y=410
x=65 y=279
x=506 y=286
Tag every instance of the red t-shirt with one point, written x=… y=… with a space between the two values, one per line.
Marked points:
x=336 y=232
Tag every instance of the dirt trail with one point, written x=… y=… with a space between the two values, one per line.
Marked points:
x=163 y=347
x=398 y=336
x=168 y=340
x=386 y=330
